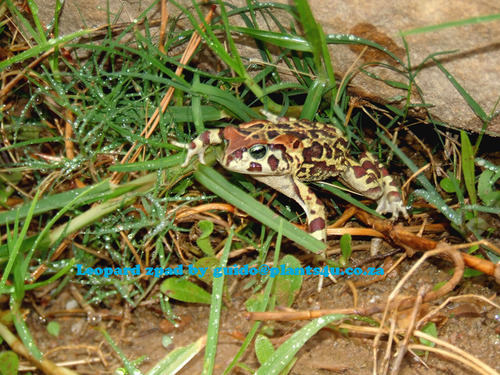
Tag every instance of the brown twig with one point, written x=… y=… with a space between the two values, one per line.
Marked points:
x=402 y=349
x=155 y=118
x=163 y=26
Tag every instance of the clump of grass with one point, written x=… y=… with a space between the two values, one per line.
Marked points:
x=79 y=164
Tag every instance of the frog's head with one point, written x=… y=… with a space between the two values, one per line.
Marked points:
x=257 y=149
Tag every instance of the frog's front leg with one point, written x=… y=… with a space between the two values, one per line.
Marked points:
x=370 y=178
x=305 y=197
x=199 y=145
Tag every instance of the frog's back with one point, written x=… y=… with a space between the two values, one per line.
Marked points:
x=306 y=131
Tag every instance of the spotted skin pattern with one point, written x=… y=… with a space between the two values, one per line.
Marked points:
x=283 y=152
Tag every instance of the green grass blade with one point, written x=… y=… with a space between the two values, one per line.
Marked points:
x=31 y=143
x=36 y=20
x=446 y=25
x=468 y=167
x=215 y=310
x=263 y=306
x=163 y=163
x=313 y=100
x=292 y=42
x=43 y=47
x=285 y=353
x=470 y=101
x=475 y=207
x=313 y=33
x=23 y=330
x=131 y=369
x=140 y=185
x=56 y=201
x=351 y=39
x=16 y=240
x=177 y=358
x=347 y=197
x=226 y=99
x=25 y=23
x=220 y=186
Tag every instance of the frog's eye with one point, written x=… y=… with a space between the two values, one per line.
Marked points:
x=258 y=151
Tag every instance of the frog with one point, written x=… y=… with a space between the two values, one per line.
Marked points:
x=286 y=153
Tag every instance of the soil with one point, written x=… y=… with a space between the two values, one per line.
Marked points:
x=470 y=324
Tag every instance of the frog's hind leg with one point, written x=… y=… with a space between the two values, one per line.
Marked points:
x=370 y=178
x=305 y=197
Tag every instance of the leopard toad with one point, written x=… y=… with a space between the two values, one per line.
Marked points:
x=285 y=152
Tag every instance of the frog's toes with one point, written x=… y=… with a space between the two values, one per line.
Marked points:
x=193 y=149
x=392 y=203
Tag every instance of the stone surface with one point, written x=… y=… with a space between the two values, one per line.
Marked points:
x=474 y=64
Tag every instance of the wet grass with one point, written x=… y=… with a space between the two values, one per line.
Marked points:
x=88 y=163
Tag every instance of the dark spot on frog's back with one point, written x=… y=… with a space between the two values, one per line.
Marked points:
x=277 y=146
x=315 y=151
x=329 y=152
x=317 y=171
x=358 y=171
x=272 y=134
x=343 y=142
x=369 y=166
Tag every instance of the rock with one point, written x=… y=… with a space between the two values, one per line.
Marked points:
x=474 y=62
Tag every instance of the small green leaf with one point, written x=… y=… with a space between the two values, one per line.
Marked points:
x=438 y=285
x=288 y=286
x=470 y=272
x=264 y=349
x=447 y=185
x=184 y=290
x=9 y=363
x=53 y=328
x=254 y=303
x=166 y=340
x=203 y=242
x=430 y=329
x=485 y=189
x=396 y=84
x=345 y=247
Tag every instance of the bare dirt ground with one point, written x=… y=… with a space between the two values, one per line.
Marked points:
x=469 y=324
